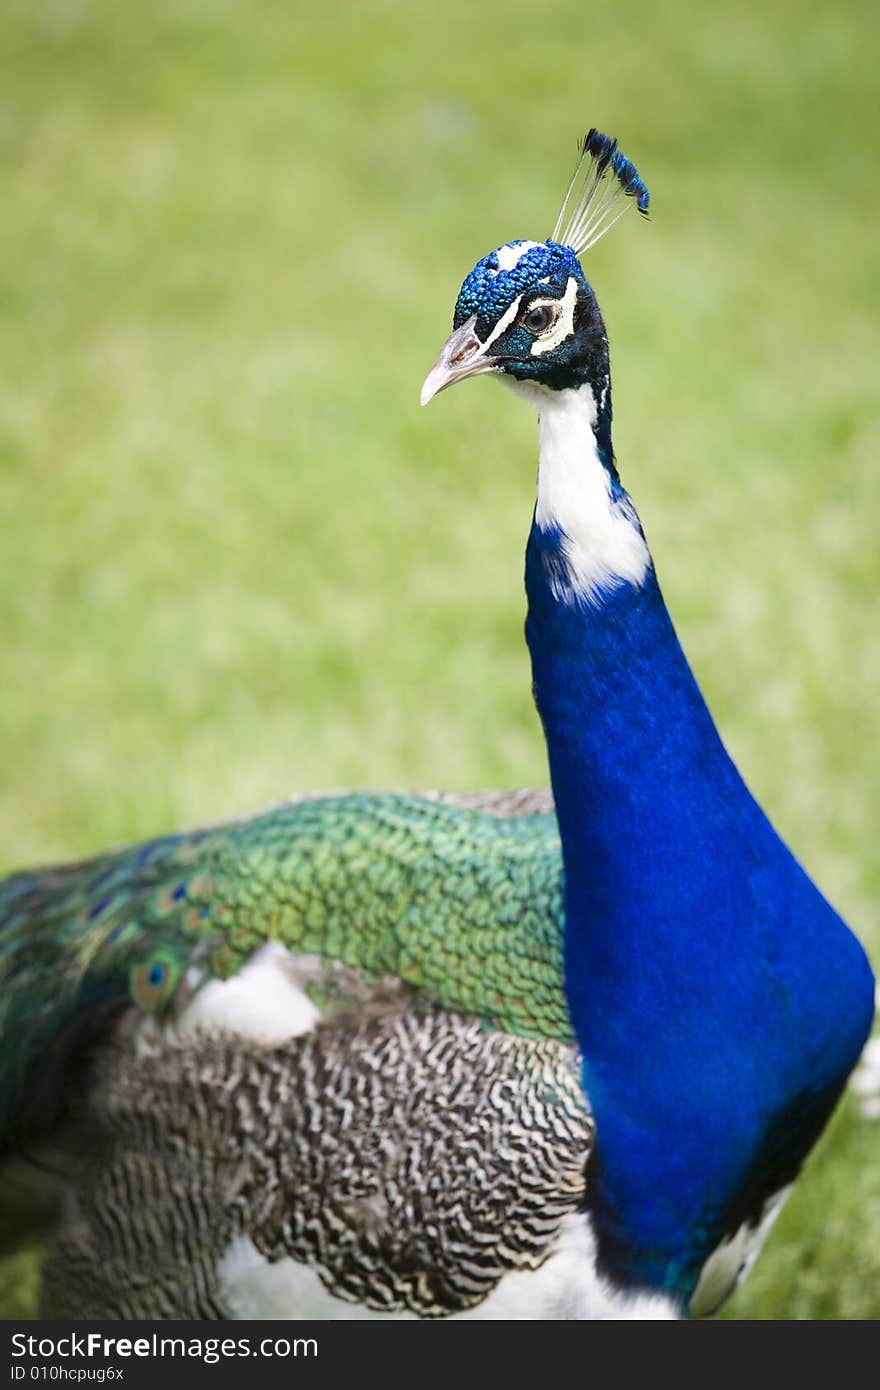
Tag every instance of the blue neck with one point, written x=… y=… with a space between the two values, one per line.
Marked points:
x=718 y=999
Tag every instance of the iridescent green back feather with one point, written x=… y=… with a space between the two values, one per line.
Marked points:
x=463 y=905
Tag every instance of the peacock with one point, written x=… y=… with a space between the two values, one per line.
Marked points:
x=510 y=1055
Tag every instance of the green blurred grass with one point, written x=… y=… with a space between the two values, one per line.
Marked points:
x=237 y=559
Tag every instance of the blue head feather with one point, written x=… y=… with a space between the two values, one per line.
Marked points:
x=604 y=151
x=497 y=279
x=490 y=289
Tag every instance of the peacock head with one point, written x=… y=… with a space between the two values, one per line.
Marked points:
x=526 y=310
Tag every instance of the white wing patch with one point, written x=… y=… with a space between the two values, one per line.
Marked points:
x=727 y=1266
x=866 y=1080
x=565 y=1287
x=266 y=1000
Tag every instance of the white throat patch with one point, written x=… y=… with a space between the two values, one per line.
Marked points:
x=602 y=546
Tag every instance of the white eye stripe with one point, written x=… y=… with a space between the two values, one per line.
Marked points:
x=564 y=326
x=552 y=336
x=504 y=322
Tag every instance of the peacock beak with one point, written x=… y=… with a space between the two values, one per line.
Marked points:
x=462 y=355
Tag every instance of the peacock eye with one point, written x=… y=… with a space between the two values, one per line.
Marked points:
x=539 y=317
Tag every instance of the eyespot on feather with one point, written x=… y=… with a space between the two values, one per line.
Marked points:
x=152 y=982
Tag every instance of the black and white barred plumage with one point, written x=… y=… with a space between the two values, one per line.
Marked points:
x=407 y=1156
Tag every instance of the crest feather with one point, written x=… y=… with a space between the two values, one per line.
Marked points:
x=593 y=201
